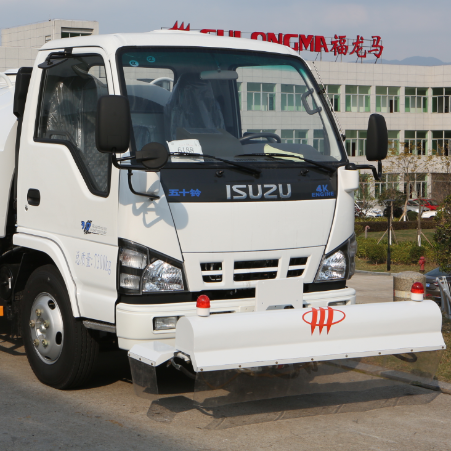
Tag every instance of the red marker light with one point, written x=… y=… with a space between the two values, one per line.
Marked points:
x=417 y=287
x=417 y=292
x=203 y=305
x=203 y=301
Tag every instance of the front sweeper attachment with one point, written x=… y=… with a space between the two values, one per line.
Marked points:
x=275 y=353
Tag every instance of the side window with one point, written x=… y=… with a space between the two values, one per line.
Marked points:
x=67 y=114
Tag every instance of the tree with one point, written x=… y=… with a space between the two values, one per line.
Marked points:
x=441 y=182
x=365 y=200
x=407 y=162
x=399 y=199
x=442 y=236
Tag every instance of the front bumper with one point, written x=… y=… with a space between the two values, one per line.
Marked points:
x=134 y=323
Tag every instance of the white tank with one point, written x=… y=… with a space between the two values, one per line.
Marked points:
x=8 y=128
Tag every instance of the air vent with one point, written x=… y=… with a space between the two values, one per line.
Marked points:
x=211 y=272
x=255 y=270
x=297 y=266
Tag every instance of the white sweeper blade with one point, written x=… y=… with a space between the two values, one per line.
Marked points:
x=278 y=337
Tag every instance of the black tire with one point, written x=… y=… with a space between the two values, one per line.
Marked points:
x=79 y=349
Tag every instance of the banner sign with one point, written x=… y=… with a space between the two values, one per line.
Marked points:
x=338 y=45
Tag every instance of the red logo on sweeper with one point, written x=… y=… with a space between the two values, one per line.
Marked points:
x=321 y=317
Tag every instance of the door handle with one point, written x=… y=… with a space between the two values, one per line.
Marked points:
x=33 y=197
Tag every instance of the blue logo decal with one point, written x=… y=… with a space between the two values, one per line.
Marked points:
x=133 y=63
x=150 y=59
x=86 y=226
x=183 y=192
x=322 y=191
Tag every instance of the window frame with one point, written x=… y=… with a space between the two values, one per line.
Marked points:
x=72 y=149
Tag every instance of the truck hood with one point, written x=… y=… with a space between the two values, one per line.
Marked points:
x=252 y=226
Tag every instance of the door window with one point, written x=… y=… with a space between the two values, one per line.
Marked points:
x=67 y=115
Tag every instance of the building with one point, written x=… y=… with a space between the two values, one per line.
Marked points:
x=415 y=101
x=20 y=45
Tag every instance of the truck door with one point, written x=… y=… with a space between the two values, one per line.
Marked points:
x=68 y=191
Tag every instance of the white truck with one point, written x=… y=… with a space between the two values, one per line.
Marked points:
x=149 y=193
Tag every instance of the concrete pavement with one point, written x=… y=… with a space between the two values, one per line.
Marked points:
x=107 y=415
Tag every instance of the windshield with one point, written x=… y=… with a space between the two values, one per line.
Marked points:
x=226 y=103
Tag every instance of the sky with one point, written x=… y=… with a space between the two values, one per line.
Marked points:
x=407 y=27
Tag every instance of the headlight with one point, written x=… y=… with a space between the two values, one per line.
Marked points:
x=141 y=270
x=161 y=276
x=340 y=263
x=333 y=267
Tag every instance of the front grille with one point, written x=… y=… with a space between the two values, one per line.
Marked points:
x=255 y=270
x=211 y=272
x=297 y=266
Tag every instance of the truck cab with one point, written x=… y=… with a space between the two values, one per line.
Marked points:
x=95 y=240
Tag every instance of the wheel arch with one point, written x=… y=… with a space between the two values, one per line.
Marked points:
x=38 y=251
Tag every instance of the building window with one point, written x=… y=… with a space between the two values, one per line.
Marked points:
x=74 y=32
x=393 y=141
x=418 y=185
x=318 y=140
x=355 y=142
x=47 y=38
x=387 y=99
x=261 y=96
x=291 y=97
x=440 y=100
x=357 y=98
x=252 y=131
x=333 y=91
x=441 y=141
x=415 y=142
x=388 y=181
x=416 y=100
x=294 y=136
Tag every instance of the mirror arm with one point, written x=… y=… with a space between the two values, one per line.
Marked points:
x=377 y=173
x=135 y=167
x=149 y=196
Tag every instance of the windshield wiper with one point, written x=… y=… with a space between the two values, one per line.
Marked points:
x=329 y=169
x=241 y=167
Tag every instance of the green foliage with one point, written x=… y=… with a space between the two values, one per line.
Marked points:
x=405 y=252
x=358 y=229
x=412 y=216
x=369 y=219
x=442 y=236
x=377 y=253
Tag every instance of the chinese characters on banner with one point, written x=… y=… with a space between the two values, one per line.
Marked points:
x=338 y=45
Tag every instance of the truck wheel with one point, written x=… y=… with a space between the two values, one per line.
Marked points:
x=60 y=350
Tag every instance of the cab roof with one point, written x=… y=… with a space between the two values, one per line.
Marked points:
x=171 y=38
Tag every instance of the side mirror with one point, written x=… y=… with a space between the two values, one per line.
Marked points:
x=113 y=124
x=377 y=138
x=153 y=156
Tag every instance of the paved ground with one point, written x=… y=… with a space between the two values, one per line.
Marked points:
x=372 y=288
x=108 y=416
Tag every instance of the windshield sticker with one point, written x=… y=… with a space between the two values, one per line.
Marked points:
x=150 y=59
x=90 y=228
x=323 y=191
x=183 y=192
x=185 y=146
x=133 y=63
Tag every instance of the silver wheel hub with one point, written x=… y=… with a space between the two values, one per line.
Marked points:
x=46 y=325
